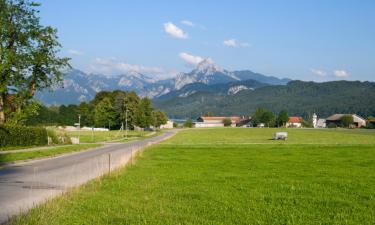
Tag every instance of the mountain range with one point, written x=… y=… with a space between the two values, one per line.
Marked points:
x=299 y=98
x=207 y=76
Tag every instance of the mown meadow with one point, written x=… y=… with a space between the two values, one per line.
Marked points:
x=231 y=176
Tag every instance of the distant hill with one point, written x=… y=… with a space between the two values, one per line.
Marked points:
x=80 y=86
x=298 y=97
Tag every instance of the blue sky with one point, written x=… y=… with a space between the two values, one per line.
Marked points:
x=308 y=40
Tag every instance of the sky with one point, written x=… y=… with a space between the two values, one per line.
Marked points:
x=313 y=40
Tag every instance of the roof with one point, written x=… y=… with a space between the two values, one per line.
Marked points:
x=208 y=118
x=335 y=117
x=295 y=119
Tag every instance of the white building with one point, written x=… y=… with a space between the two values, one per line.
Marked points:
x=168 y=125
x=318 y=123
x=294 y=121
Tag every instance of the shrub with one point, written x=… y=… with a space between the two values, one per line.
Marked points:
x=52 y=134
x=175 y=125
x=332 y=125
x=58 y=137
x=227 y=122
x=188 y=123
x=14 y=136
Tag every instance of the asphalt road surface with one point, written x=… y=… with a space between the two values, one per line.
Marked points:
x=25 y=185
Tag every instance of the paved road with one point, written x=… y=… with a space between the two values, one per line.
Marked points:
x=26 y=184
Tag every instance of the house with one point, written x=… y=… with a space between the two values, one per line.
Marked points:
x=336 y=119
x=168 y=125
x=216 y=121
x=294 y=121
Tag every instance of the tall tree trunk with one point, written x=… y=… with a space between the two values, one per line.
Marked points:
x=2 y=113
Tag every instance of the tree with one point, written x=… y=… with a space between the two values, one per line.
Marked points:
x=28 y=54
x=104 y=113
x=257 y=116
x=159 y=118
x=268 y=118
x=126 y=105
x=347 y=120
x=262 y=115
x=188 y=123
x=227 y=122
x=282 y=118
x=144 y=113
x=87 y=114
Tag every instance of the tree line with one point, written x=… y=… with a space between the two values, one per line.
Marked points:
x=108 y=109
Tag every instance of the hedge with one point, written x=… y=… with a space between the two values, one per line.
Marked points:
x=14 y=136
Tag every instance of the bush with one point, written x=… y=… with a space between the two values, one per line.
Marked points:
x=52 y=134
x=332 y=125
x=188 y=123
x=58 y=137
x=15 y=136
x=227 y=122
x=175 y=125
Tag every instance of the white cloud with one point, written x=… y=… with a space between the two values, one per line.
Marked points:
x=191 y=59
x=233 y=43
x=320 y=73
x=114 y=67
x=188 y=23
x=340 y=73
x=75 y=52
x=175 y=31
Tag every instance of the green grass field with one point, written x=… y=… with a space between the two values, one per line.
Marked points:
x=231 y=176
x=53 y=151
x=100 y=136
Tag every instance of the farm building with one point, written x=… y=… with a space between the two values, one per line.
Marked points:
x=217 y=121
x=294 y=121
x=168 y=125
x=336 y=119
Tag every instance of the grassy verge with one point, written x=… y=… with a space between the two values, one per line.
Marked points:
x=100 y=136
x=10 y=157
x=231 y=176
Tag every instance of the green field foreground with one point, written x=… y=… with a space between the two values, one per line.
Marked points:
x=231 y=176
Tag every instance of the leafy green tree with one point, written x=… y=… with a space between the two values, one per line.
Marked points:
x=126 y=105
x=68 y=114
x=105 y=113
x=87 y=114
x=347 y=120
x=268 y=118
x=282 y=118
x=144 y=113
x=257 y=116
x=29 y=58
x=188 y=123
x=262 y=115
x=227 y=122
x=20 y=117
x=159 y=118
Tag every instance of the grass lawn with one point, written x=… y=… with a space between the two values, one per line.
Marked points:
x=53 y=151
x=231 y=176
x=99 y=136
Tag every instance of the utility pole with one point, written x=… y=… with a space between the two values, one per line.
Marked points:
x=126 y=122
x=79 y=128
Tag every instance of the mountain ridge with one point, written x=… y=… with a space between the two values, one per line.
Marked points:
x=80 y=86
